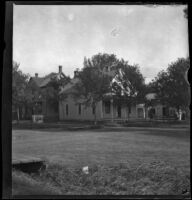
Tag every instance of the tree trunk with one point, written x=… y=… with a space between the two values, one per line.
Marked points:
x=128 y=107
x=18 y=118
x=95 y=116
x=95 y=119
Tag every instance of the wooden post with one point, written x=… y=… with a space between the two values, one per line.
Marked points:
x=112 y=117
x=144 y=114
x=101 y=109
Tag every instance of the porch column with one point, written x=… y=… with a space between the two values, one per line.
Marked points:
x=144 y=114
x=111 y=109
x=101 y=109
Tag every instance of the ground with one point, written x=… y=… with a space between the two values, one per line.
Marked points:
x=106 y=147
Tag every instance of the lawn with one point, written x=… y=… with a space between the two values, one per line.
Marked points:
x=156 y=152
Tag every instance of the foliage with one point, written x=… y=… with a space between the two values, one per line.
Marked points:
x=105 y=74
x=94 y=79
x=172 y=86
x=19 y=84
x=103 y=62
x=19 y=87
x=51 y=92
x=128 y=83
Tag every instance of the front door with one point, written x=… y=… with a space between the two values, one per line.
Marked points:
x=140 y=113
x=119 y=111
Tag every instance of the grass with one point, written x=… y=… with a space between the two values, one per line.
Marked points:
x=124 y=161
x=155 y=178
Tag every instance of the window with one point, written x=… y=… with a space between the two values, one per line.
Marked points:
x=107 y=107
x=93 y=110
x=165 y=111
x=67 y=109
x=79 y=107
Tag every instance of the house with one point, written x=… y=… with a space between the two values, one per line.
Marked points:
x=111 y=107
x=42 y=105
x=156 y=110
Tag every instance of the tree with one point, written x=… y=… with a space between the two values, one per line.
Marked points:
x=128 y=83
x=33 y=94
x=19 y=84
x=105 y=74
x=51 y=93
x=172 y=86
x=94 y=80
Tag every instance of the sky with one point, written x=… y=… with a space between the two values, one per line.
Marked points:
x=46 y=36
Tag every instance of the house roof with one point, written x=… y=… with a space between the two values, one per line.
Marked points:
x=47 y=79
x=43 y=81
x=37 y=80
x=69 y=87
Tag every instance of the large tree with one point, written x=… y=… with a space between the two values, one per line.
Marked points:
x=172 y=86
x=128 y=81
x=94 y=79
x=128 y=84
x=105 y=74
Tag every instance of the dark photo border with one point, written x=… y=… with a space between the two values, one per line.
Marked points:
x=7 y=103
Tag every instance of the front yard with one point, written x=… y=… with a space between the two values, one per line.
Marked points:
x=123 y=161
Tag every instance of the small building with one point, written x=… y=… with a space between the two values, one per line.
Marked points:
x=156 y=110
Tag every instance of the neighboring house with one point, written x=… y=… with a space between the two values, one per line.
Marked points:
x=156 y=110
x=43 y=107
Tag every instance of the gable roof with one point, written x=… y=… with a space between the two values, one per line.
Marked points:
x=37 y=80
x=69 y=87
x=43 y=81
x=47 y=79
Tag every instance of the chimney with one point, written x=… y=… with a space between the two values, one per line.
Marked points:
x=60 y=69
x=36 y=75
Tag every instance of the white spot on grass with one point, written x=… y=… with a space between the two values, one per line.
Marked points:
x=85 y=170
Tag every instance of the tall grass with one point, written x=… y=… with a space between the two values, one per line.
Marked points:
x=156 y=178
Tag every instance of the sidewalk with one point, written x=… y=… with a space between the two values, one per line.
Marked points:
x=84 y=125
x=62 y=125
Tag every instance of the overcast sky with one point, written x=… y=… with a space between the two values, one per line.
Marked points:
x=47 y=36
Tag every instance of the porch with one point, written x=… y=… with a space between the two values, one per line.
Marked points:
x=115 y=110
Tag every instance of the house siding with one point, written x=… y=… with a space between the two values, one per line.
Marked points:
x=86 y=112
x=138 y=111
x=73 y=110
